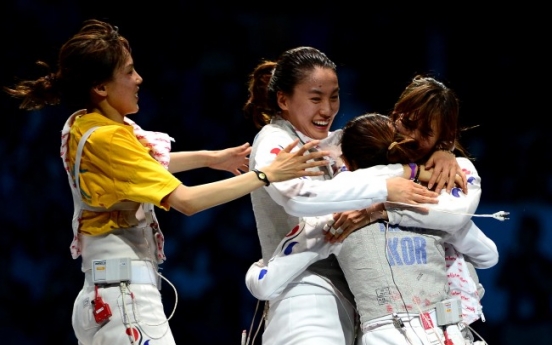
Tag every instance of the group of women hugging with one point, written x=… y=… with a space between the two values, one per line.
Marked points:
x=366 y=231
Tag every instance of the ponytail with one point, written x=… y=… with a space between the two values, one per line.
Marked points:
x=258 y=107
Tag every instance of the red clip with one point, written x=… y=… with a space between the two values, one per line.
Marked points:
x=426 y=321
x=102 y=311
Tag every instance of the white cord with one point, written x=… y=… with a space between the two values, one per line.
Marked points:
x=126 y=316
x=175 y=295
x=500 y=215
x=246 y=342
x=135 y=310
x=480 y=337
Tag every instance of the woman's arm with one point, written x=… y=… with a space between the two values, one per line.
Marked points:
x=233 y=159
x=476 y=247
x=190 y=200
x=346 y=191
x=300 y=248
x=452 y=211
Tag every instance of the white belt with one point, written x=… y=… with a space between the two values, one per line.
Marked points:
x=142 y=272
x=388 y=319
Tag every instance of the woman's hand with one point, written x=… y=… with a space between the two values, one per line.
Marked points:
x=289 y=165
x=234 y=159
x=345 y=223
x=426 y=174
x=405 y=191
x=445 y=170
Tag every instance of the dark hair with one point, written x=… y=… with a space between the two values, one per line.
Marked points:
x=283 y=75
x=87 y=59
x=426 y=101
x=370 y=139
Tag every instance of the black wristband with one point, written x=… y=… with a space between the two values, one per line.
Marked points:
x=416 y=180
x=262 y=176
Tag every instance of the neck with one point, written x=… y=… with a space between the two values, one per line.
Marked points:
x=109 y=113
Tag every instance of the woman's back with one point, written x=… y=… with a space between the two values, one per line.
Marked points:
x=391 y=269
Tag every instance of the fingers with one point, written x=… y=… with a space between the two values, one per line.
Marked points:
x=315 y=155
x=245 y=149
x=459 y=182
x=434 y=177
x=442 y=182
x=464 y=181
x=243 y=169
x=452 y=177
x=311 y=155
x=310 y=173
x=327 y=229
x=307 y=163
x=445 y=168
x=423 y=195
x=291 y=146
x=450 y=182
x=303 y=148
x=334 y=233
x=445 y=178
x=309 y=146
x=344 y=224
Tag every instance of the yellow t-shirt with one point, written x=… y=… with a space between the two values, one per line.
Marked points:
x=116 y=167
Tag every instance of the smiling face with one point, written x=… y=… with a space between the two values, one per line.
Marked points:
x=314 y=103
x=122 y=90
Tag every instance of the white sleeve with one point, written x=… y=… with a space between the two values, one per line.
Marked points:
x=311 y=197
x=476 y=247
x=450 y=214
x=268 y=282
x=303 y=246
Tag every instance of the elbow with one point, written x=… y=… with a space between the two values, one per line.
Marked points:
x=495 y=251
x=189 y=211
x=485 y=261
x=183 y=201
x=260 y=295
x=254 y=282
x=292 y=208
x=186 y=208
x=459 y=221
x=493 y=260
x=258 y=291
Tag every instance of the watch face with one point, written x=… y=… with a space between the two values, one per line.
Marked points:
x=262 y=176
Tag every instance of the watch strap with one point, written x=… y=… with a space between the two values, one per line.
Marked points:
x=262 y=176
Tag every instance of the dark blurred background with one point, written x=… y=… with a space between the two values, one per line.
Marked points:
x=195 y=58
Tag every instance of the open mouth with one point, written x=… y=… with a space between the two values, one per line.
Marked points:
x=321 y=123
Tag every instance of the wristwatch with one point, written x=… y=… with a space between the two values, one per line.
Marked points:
x=262 y=176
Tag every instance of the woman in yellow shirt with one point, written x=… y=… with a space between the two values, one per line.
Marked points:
x=118 y=173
